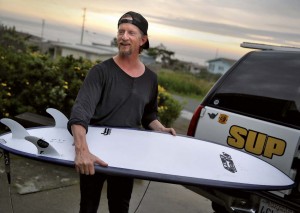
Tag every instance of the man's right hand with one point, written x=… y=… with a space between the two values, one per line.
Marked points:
x=84 y=160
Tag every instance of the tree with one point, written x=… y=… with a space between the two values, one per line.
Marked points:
x=161 y=53
x=114 y=42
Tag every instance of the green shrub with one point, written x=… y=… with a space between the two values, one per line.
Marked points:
x=32 y=82
x=168 y=108
x=35 y=82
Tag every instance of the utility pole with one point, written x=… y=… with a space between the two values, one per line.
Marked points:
x=42 y=35
x=82 y=28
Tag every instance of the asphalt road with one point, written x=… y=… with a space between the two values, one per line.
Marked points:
x=189 y=104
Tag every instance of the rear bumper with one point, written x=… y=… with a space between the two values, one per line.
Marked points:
x=244 y=201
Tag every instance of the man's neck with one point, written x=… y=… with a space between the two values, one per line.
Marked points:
x=131 y=65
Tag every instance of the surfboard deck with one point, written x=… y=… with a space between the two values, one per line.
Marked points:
x=147 y=155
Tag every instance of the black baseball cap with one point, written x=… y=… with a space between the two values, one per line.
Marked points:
x=137 y=20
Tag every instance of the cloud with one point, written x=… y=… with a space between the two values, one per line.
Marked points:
x=201 y=25
x=277 y=35
x=272 y=21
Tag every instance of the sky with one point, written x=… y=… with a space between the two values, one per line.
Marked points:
x=196 y=30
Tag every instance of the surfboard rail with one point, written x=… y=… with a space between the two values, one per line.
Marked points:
x=159 y=177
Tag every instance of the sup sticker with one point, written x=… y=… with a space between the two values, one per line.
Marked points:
x=228 y=162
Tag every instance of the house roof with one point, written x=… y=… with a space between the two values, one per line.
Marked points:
x=101 y=50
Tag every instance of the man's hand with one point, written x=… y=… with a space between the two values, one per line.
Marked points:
x=157 y=126
x=85 y=161
x=169 y=130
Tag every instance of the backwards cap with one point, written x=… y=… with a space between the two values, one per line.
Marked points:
x=137 y=20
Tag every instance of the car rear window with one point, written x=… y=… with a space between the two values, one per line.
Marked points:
x=266 y=85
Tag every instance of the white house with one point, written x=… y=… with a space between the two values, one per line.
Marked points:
x=91 y=52
x=220 y=65
x=195 y=68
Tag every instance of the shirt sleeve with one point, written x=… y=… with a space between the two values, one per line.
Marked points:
x=87 y=99
x=150 y=113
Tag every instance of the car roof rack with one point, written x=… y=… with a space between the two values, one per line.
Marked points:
x=268 y=47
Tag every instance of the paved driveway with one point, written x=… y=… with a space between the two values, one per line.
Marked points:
x=38 y=187
x=57 y=190
x=41 y=188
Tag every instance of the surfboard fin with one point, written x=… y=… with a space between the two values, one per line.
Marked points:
x=44 y=148
x=18 y=131
x=61 y=121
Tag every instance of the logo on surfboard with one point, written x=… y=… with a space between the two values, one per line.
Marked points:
x=107 y=131
x=228 y=162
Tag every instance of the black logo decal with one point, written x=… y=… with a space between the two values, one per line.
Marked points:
x=107 y=131
x=212 y=115
x=228 y=162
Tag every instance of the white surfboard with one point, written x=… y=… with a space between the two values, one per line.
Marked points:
x=147 y=155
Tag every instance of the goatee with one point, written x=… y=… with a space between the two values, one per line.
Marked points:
x=125 y=53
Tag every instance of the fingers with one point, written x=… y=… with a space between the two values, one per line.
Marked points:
x=170 y=130
x=86 y=166
x=87 y=169
x=100 y=162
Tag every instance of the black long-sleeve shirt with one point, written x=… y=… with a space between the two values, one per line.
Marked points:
x=110 y=97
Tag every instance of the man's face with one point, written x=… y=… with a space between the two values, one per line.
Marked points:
x=129 y=39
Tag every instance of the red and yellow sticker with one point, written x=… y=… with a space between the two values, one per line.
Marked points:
x=223 y=118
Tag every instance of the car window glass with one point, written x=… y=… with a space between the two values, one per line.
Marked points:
x=266 y=85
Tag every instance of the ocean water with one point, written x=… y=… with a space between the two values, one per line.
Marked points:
x=55 y=31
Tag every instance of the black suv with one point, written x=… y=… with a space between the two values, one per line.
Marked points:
x=256 y=104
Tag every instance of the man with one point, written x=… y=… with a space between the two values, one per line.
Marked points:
x=119 y=92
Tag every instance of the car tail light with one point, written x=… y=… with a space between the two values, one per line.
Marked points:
x=194 y=121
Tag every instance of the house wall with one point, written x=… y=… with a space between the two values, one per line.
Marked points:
x=90 y=52
x=77 y=54
x=218 y=67
x=194 y=69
